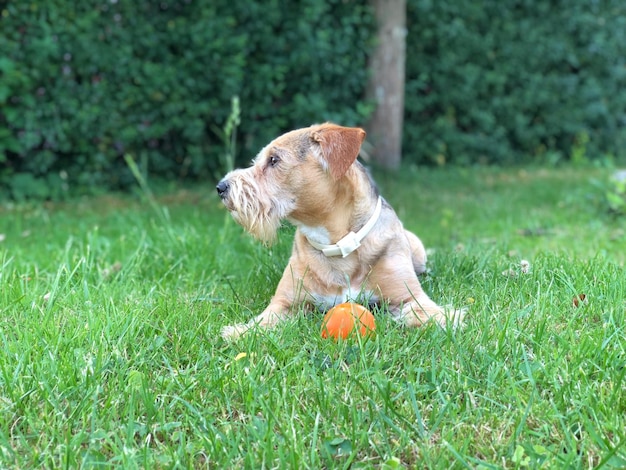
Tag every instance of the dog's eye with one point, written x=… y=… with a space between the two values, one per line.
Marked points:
x=273 y=161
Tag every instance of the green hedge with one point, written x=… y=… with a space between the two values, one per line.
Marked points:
x=84 y=83
x=512 y=80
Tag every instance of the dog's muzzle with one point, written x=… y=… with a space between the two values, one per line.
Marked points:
x=222 y=188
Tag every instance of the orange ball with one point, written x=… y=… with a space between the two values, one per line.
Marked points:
x=344 y=319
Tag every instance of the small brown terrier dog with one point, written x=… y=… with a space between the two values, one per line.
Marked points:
x=349 y=242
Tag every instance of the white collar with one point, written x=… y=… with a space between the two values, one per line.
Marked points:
x=352 y=240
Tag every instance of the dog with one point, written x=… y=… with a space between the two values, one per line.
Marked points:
x=349 y=242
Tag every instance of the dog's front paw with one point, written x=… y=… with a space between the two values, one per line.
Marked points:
x=413 y=315
x=232 y=332
x=454 y=318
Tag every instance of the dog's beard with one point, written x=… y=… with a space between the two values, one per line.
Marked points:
x=260 y=216
x=263 y=228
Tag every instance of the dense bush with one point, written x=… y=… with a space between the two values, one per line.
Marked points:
x=84 y=83
x=506 y=80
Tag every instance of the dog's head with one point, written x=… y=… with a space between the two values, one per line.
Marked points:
x=298 y=176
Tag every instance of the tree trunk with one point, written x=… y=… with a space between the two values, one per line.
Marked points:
x=386 y=86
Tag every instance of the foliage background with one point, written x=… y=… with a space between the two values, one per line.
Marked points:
x=84 y=83
x=505 y=81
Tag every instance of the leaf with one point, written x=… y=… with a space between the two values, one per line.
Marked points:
x=338 y=447
x=92 y=458
x=392 y=463
x=519 y=457
x=135 y=379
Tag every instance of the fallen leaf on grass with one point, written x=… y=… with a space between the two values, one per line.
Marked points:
x=114 y=268
x=524 y=266
x=579 y=300
x=533 y=232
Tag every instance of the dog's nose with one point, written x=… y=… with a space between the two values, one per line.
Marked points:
x=222 y=188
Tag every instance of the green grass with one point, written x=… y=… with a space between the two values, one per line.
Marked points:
x=110 y=312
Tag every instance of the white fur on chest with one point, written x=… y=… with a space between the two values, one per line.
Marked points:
x=325 y=301
x=317 y=234
x=333 y=270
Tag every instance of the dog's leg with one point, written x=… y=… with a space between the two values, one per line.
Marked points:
x=288 y=292
x=397 y=284
x=418 y=252
x=274 y=312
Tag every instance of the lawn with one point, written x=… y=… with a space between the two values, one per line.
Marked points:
x=111 y=309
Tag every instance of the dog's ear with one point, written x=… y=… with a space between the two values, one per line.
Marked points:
x=340 y=146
